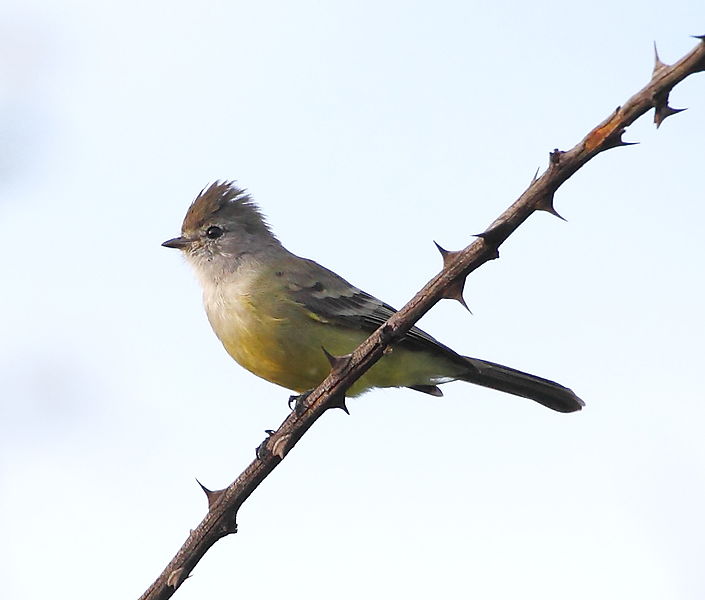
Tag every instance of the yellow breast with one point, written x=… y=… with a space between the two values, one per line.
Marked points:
x=276 y=338
x=266 y=332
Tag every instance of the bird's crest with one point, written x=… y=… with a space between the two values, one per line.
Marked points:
x=223 y=201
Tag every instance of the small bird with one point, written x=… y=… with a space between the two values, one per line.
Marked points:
x=276 y=312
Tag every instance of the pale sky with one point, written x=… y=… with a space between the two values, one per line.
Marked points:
x=366 y=131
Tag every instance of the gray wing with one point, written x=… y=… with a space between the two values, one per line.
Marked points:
x=331 y=297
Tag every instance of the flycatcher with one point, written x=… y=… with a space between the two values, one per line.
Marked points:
x=275 y=312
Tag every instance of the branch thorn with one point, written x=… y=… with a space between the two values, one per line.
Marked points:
x=494 y=236
x=337 y=363
x=211 y=495
x=615 y=141
x=535 y=178
x=338 y=401
x=663 y=111
x=455 y=292
x=545 y=204
x=658 y=64
x=448 y=255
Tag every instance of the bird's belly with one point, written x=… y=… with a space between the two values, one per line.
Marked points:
x=282 y=343
x=269 y=343
x=277 y=358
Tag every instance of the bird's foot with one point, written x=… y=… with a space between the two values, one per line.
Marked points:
x=297 y=402
x=259 y=451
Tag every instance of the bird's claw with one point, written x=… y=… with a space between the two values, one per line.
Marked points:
x=259 y=450
x=297 y=401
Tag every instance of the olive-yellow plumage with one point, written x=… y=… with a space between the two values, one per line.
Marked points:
x=275 y=312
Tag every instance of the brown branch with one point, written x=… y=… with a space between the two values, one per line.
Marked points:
x=224 y=504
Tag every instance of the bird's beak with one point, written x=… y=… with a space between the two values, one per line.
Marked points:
x=181 y=243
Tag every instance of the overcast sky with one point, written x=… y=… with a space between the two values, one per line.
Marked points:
x=365 y=130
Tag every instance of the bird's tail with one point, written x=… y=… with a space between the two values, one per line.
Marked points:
x=546 y=392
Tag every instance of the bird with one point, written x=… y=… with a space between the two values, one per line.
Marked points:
x=281 y=316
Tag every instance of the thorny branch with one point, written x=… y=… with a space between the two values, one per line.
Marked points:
x=224 y=504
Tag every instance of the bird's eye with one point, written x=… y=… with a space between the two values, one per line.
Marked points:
x=214 y=232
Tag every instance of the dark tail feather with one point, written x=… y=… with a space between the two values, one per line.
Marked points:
x=505 y=379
